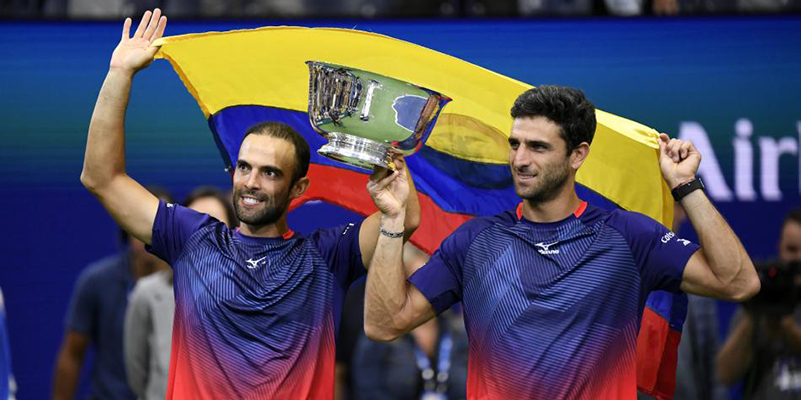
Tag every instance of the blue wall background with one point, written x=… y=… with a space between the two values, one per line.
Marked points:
x=662 y=72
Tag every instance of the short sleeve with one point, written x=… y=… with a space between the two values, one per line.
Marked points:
x=658 y=252
x=340 y=249
x=82 y=309
x=174 y=224
x=440 y=279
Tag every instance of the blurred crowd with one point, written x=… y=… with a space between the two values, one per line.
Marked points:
x=115 y=9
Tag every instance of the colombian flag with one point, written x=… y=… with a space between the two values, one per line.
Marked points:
x=240 y=78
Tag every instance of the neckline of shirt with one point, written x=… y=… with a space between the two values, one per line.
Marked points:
x=575 y=215
x=289 y=234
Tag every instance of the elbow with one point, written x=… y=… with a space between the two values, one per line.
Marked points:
x=379 y=334
x=744 y=288
x=88 y=181
x=747 y=290
x=96 y=182
x=93 y=183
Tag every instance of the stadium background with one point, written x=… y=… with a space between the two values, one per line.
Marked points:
x=666 y=73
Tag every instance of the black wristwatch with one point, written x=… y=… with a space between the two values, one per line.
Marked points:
x=686 y=188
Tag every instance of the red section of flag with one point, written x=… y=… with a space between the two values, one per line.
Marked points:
x=347 y=189
x=657 y=355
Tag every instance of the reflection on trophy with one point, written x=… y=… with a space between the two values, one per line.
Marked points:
x=364 y=115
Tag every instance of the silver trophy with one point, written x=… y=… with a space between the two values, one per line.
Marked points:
x=365 y=115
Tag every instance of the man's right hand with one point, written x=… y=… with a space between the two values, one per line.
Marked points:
x=390 y=189
x=137 y=52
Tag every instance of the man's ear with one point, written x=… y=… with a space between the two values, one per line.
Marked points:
x=299 y=187
x=579 y=154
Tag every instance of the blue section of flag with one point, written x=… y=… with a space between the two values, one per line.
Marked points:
x=456 y=185
x=671 y=307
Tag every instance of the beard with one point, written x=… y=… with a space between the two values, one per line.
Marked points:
x=272 y=208
x=552 y=179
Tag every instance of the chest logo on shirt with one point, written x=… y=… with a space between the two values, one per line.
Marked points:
x=253 y=264
x=546 y=248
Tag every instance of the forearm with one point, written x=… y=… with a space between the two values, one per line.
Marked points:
x=385 y=292
x=68 y=369
x=105 y=145
x=792 y=334
x=727 y=259
x=413 y=213
x=736 y=355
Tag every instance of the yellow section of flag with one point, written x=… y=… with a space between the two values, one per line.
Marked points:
x=266 y=66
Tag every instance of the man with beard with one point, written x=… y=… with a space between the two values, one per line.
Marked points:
x=256 y=310
x=553 y=292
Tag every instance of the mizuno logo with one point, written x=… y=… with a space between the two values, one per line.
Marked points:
x=546 y=248
x=685 y=242
x=253 y=264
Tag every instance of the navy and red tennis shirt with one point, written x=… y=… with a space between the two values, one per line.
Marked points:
x=255 y=318
x=552 y=310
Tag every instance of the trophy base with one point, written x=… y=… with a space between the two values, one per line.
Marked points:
x=357 y=151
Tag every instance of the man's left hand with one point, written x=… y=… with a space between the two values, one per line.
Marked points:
x=678 y=159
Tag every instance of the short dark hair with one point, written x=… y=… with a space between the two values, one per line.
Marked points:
x=283 y=131
x=566 y=107
x=211 y=191
x=793 y=216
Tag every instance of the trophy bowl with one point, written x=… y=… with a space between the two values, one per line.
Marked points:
x=365 y=115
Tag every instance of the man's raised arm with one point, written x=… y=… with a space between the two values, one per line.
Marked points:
x=131 y=205
x=368 y=234
x=392 y=305
x=722 y=268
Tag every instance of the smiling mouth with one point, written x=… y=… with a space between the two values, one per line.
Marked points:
x=250 y=201
x=525 y=177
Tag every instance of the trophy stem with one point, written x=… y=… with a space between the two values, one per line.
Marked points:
x=357 y=151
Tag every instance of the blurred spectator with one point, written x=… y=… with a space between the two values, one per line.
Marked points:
x=148 y=320
x=764 y=344
x=761 y=6
x=429 y=362
x=7 y=384
x=431 y=359
x=599 y=7
x=95 y=317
